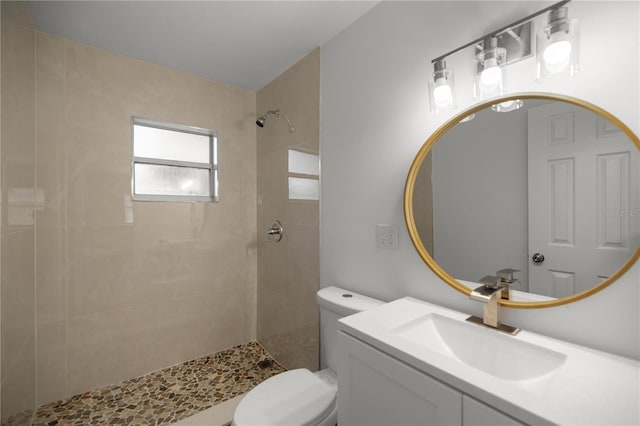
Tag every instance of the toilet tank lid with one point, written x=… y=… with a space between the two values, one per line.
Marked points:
x=345 y=302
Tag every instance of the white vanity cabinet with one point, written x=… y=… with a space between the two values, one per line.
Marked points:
x=377 y=389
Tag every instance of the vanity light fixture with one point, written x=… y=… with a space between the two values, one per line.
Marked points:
x=557 y=45
x=488 y=81
x=441 y=87
x=557 y=51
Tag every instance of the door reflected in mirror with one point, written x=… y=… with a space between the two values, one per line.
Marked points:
x=551 y=190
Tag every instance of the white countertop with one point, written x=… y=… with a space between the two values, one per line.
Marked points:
x=591 y=387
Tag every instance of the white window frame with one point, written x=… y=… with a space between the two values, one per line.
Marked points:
x=211 y=166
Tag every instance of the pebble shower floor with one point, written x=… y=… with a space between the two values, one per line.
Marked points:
x=164 y=396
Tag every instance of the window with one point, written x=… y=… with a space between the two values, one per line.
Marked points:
x=172 y=162
x=304 y=169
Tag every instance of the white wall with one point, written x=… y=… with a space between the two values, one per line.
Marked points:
x=375 y=116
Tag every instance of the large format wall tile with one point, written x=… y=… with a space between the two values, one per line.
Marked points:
x=18 y=333
x=18 y=370
x=109 y=346
x=18 y=147
x=288 y=271
x=50 y=130
x=51 y=361
x=51 y=274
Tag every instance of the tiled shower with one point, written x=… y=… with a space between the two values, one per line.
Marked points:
x=97 y=288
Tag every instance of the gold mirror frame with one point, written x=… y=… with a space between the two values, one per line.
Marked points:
x=433 y=139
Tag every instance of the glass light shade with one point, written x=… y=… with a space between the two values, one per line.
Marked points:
x=488 y=76
x=441 y=88
x=557 y=47
x=507 y=106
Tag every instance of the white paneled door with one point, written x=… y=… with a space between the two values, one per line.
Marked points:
x=583 y=199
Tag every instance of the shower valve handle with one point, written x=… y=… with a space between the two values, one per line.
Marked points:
x=275 y=232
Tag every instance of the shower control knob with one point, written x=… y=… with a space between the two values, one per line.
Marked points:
x=275 y=232
x=537 y=258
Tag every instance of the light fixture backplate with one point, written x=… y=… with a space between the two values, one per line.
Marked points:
x=516 y=40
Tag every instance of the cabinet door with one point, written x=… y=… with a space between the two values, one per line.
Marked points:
x=475 y=413
x=376 y=389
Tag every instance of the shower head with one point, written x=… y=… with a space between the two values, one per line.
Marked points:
x=261 y=120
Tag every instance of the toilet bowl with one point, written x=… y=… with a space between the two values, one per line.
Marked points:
x=300 y=397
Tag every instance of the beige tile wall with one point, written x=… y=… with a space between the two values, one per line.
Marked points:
x=288 y=271
x=17 y=155
x=125 y=288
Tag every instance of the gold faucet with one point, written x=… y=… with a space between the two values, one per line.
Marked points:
x=489 y=293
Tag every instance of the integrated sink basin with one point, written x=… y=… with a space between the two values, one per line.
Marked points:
x=494 y=353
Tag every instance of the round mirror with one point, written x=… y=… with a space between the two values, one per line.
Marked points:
x=544 y=197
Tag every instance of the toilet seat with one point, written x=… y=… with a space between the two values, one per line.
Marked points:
x=295 y=397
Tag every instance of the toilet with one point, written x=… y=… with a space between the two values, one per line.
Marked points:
x=300 y=397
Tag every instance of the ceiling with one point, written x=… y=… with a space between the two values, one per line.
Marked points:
x=241 y=43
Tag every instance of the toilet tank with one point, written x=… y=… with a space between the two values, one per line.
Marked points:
x=336 y=303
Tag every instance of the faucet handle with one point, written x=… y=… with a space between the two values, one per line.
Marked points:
x=506 y=280
x=490 y=281
x=506 y=275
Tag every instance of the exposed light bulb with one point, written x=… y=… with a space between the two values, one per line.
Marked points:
x=442 y=94
x=491 y=74
x=556 y=56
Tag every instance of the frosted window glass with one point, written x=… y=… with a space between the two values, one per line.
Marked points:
x=304 y=189
x=154 y=179
x=151 y=142
x=301 y=162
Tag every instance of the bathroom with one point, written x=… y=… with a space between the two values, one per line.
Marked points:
x=100 y=288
